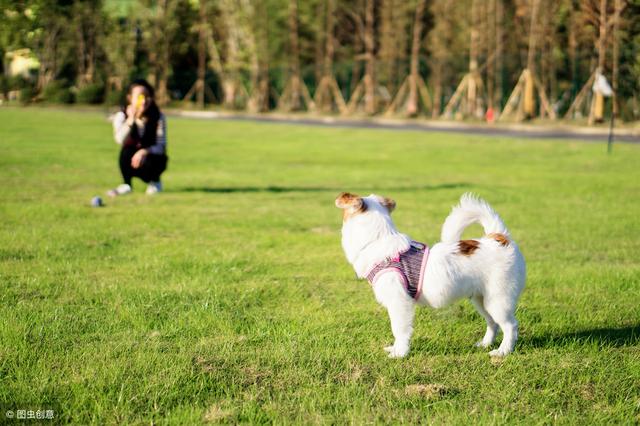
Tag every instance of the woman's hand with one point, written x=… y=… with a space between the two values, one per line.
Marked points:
x=139 y=110
x=135 y=111
x=138 y=158
x=131 y=114
x=141 y=102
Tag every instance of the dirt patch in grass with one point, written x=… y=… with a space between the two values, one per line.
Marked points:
x=254 y=376
x=427 y=391
x=205 y=365
x=497 y=361
x=354 y=373
x=216 y=413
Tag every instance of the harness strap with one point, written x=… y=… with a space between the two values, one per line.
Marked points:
x=409 y=265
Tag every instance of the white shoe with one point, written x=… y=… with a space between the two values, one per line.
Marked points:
x=122 y=189
x=154 y=188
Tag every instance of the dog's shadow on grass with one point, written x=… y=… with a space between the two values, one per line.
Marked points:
x=608 y=336
x=285 y=189
x=602 y=337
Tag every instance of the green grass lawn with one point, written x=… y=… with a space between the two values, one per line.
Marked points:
x=227 y=298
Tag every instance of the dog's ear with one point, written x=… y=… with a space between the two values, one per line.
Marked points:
x=350 y=203
x=388 y=203
x=346 y=200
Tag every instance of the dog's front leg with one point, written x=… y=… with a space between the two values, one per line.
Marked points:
x=401 y=316
x=391 y=294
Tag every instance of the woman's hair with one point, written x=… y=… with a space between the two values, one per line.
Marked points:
x=151 y=113
x=141 y=82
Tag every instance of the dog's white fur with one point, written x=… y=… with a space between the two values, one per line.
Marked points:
x=492 y=277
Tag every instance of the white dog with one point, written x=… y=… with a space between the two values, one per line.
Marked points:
x=490 y=271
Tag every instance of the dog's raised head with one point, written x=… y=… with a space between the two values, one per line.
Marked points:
x=367 y=226
x=353 y=205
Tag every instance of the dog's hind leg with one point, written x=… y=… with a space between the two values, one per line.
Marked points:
x=501 y=312
x=492 y=327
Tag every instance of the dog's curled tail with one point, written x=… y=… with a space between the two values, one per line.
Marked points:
x=472 y=210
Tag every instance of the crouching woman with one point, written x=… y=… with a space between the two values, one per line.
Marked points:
x=141 y=129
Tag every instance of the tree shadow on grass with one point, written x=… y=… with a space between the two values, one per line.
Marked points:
x=274 y=189
x=609 y=336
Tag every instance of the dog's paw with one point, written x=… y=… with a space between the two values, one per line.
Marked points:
x=499 y=352
x=397 y=351
x=482 y=344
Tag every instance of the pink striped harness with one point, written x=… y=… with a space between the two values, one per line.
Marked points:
x=410 y=265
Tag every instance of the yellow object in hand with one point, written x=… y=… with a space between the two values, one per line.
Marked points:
x=140 y=101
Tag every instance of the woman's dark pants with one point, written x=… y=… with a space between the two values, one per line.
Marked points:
x=150 y=169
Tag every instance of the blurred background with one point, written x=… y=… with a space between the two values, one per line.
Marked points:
x=490 y=60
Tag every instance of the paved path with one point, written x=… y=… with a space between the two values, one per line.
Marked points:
x=591 y=134
x=529 y=131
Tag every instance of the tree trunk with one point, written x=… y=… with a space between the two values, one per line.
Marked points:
x=202 y=55
x=533 y=36
x=82 y=69
x=545 y=54
x=294 y=64
x=616 y=56
x=573 y=48
x=602 y=40
x=329 y=42
x=356 y=69
x=388 y=50
x=206 y=44
x=437 y=91
x=48 y=56
x=440 y=40
x=327 y=92
x=320 y=41
x=231 y=84
x=251 y=45
x=490 y=52
x=596 y=113
x=499 y=82
x=392 y=25
x=473 y=59
x=295 y=94
x=412 y=102
x=529 y=104
x=259 y=101
x=164 y=64
x=369 y=74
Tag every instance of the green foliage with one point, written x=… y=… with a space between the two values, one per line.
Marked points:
x=16 y=24
x=4 y=84
x=27 y=94
x=115 y=97
x=91 y=94
x=227 y=298
x=17 y=82
x=87 y=41
x=58 y=92
x=119 y=9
